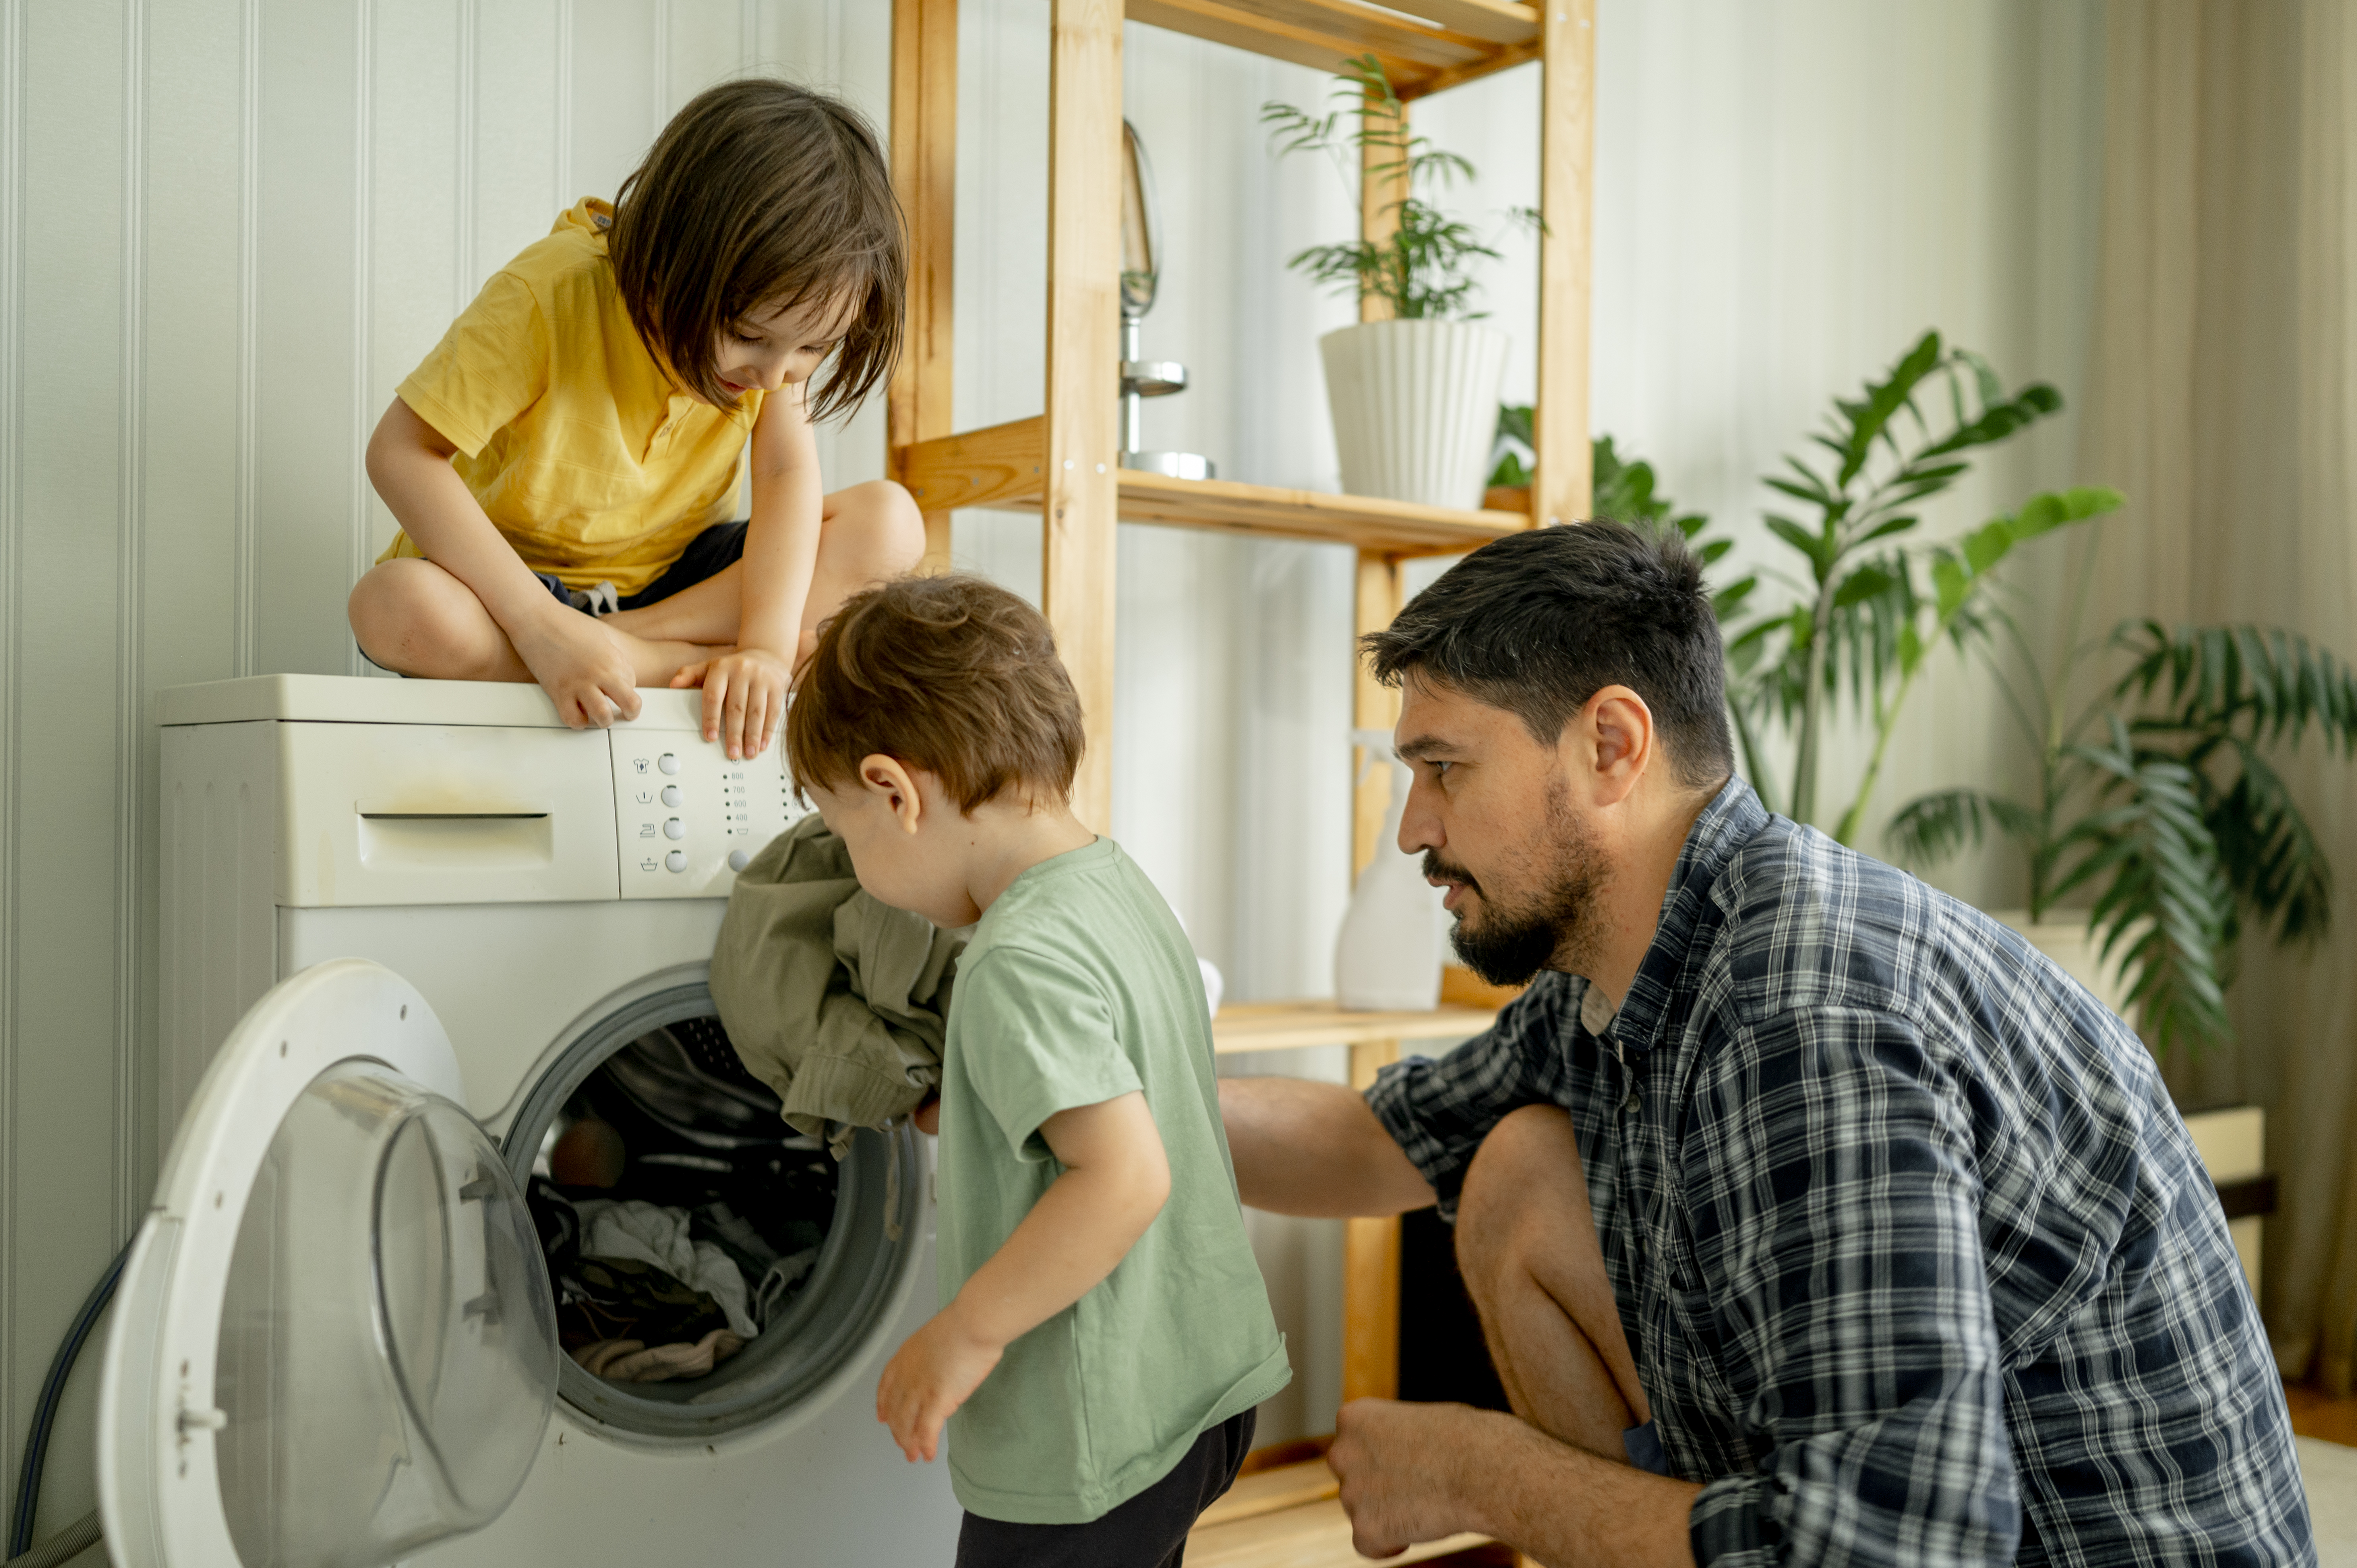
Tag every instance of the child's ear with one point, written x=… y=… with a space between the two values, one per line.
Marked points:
x=886 y=779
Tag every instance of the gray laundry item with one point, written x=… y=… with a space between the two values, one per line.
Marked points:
x=777 y=1283
x=652 y=1234
x=834 y=999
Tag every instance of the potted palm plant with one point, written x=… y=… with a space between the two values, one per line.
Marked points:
x=1413 y=398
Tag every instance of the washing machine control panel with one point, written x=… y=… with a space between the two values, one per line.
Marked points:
x=689 y=818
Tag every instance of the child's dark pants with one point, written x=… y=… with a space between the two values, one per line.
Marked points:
x=1147 y=1531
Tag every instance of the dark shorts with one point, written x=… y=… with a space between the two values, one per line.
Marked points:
x=1147 y=1531
x=707 y=555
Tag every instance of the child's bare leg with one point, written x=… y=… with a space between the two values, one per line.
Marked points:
x=867 y=534
x=413 y=616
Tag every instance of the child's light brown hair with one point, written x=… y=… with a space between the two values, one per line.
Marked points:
x=951 y=674
x=762 y=194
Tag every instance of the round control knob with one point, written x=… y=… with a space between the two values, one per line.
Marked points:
x=668 y=762
x=739 y=860
x=675 y=829
x=676 y=860
x=671 y=795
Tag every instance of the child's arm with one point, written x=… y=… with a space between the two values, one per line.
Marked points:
x=585 y=669
x=744 y=689
x=1115 y=1182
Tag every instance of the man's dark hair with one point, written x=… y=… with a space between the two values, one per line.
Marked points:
x=759 y=194
x=1537 y=623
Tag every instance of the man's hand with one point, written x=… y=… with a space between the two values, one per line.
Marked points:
x=936 y=1370
x=585 y=668
x=1398 y=1467
x=744 y=698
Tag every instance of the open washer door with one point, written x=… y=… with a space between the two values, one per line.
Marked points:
x=335 y=1342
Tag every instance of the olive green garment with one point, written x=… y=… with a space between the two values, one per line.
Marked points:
x=1079 y=987
x=832 y=997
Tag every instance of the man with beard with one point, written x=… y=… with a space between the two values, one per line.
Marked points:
x=1812 y=1216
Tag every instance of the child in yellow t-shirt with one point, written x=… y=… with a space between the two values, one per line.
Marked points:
x=572 y=444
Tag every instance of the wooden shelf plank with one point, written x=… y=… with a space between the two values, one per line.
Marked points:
x=1268 y=1491
x=1003 y=465
x=1425 y=45
x=1394 y=528
x=1246 y=1026
x=1310 y=1535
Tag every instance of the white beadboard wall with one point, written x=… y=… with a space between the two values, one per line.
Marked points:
x=229 y=227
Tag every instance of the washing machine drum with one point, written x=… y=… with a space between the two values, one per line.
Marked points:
x=335 y=1343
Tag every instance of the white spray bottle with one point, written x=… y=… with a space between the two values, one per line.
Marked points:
x=1388 y=956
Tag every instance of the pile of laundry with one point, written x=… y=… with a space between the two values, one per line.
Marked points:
x=680 y=1216
x=647 y=1294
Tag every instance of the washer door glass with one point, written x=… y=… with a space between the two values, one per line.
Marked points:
x=388 y=1347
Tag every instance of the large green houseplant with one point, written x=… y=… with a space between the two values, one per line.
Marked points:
x=2158 y=801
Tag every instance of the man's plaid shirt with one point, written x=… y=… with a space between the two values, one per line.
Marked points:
x=1916 y=1258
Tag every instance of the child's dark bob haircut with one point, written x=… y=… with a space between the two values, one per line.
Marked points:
x=950 y=674
x=761 y=194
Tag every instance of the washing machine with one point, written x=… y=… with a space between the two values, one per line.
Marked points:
x=410 y=933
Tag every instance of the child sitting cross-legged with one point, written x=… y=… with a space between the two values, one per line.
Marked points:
x=565 y=464
x=1104 y=1333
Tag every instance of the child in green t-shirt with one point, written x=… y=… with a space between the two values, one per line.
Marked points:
x=1104 y=1332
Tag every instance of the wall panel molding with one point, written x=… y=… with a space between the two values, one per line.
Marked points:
x=246 y=632
x=134 y=783
x=363 y=319
x=12 y=591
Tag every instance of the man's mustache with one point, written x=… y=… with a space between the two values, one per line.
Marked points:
x=1438 y=869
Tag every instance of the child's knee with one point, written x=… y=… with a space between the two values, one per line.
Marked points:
x=399 y=607
x=891 y=528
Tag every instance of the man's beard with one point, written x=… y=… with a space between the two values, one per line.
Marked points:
x=1556 y=923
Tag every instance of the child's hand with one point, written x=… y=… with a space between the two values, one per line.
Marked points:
x=743 y=695
x=933 y=1373
x=585 y=668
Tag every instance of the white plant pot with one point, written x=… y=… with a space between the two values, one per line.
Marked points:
x=1416 y=407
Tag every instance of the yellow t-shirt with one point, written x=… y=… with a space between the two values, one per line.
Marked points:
x=583 y=452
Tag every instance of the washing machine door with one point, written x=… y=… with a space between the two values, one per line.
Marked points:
x=335 y=1342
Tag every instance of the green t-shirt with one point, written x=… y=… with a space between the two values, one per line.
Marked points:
x=1079 y=987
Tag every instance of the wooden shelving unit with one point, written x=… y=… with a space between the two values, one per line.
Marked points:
x=1065 y=462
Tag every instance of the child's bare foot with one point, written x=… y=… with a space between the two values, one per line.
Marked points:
x=693 y=674
x=659 y=661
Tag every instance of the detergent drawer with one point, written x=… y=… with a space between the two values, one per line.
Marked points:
x=377 y=814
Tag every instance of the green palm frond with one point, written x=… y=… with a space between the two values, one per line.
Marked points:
x=2161 y=901
x=1936 y=827
x=2263 y=682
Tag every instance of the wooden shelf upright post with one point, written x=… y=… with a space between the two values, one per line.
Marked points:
x=1562 y=487
x=924 y=172
x=1371 y=1248
x=1081 y=499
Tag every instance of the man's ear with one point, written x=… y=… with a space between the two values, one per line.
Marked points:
x=891 y=786
x=1623 y=743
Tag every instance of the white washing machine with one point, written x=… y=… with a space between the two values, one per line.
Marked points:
x=410 y=930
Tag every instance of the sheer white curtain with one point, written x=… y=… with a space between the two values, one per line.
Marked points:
x=2223 y=399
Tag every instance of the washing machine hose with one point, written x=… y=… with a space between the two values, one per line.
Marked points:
x=37 y=1445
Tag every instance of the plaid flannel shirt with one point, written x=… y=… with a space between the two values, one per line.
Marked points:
x=1916 y=1258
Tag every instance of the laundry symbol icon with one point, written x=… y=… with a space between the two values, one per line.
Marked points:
x=640 y=763
x=647 y=864
x=646 y=830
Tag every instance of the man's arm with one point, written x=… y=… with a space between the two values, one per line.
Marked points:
x=1324 y=1151
x=1413 y=1473
x=1115 y=1179
x=1315 y=1149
